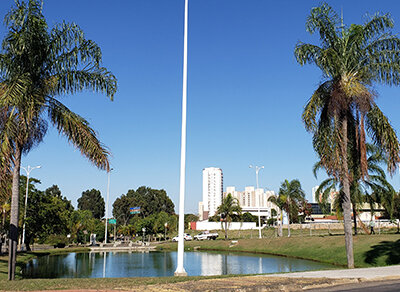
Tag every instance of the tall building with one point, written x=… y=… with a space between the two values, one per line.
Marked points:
x=212 y=191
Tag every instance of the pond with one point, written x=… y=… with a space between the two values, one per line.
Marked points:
x=160 y=264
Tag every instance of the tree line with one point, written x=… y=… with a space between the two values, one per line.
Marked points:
x=52 y=219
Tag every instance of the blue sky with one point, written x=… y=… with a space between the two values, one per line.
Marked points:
x=245 y=94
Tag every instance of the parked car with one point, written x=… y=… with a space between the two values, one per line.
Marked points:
x=186 y=236
x=206 y=235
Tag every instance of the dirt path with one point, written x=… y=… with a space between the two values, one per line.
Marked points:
x=232 y=284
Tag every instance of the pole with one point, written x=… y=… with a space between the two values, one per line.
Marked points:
x=108 y=197
x=26 y=203
x=257 y=168
x=28 y=171
x=180 y=270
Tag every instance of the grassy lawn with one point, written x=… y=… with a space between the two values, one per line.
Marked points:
x=376 y=250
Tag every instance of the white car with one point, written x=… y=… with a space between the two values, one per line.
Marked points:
x=186 y=236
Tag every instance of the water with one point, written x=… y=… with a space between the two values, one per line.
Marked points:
x=160 y=264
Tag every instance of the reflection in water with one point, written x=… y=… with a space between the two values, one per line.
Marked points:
x=159 y=264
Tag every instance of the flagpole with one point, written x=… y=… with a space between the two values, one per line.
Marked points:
x=180 y=270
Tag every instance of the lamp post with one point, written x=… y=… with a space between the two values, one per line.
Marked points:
x=180 y=270
x=28 y=171
x=143 y=235
x=258 y=168
x=108 y=197
x=165 y=231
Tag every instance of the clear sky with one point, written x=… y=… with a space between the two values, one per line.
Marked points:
x=246 y=94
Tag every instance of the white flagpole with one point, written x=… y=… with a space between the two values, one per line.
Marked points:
x=180 y=270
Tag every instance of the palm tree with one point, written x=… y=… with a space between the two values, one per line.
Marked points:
x=374 y=189
x=229 y=207
x=279 y=203
x=36 y=66
x=351 y=59
x=290 y=197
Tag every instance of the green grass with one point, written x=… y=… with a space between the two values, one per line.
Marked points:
x=375 y=250
x=382 y=249
x=95 y=283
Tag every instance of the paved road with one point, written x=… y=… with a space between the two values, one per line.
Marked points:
x=366 y=273
x=375 y=286
x=379 y=279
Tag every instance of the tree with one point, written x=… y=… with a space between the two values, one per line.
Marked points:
x=396 y=210
x=229 y=207
x=190 y=218
x=248 y=217
x=36 y=66
x=279 y=203
x=81 y=222
x=92 y=201
x=351 y=59
x=291 y=196
x=149 y=200
x=48 y=213
x=121 y=211
x=374 y=189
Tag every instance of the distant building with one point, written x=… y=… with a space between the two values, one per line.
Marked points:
x=313 y=191
x=212 y=191
x=250 y=199
x=201 y=211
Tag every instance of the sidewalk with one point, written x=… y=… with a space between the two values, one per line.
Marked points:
x=361 y=273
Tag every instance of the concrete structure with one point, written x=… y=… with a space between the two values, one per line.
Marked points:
x=205 y=225
x=250 y=199
x=213 y=184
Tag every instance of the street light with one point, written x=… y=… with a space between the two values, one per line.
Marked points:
x=108 y=197
x=165 y=231
x=180 y=270
x=258 y=168
x=143 y=235
x=28 y=171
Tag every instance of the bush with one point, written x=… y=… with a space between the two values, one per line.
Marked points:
x=57 y=240
x=271 y=221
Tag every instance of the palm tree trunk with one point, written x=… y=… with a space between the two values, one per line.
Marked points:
x=14 y=216
x=226 y=229
x=288 y=223
x=346 y=204
x=355 y=219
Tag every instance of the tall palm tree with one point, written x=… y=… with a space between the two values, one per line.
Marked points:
x=290 y=197
x=36 y=66
x=229 y=207
x=351 y=59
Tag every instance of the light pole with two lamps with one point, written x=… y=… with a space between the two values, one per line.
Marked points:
x=28 y=171
x=258 y=168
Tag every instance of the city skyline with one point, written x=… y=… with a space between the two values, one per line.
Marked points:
x=245 y=99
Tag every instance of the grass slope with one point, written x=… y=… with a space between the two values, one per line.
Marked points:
x=376 y=250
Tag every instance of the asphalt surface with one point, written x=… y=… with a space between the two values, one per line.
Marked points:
x=377 y=273
x=379 y=279
x=379 y=286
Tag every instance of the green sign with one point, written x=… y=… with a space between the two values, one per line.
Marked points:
x=112 y=221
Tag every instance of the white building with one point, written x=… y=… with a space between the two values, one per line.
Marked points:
x=252 y=199
x=313 y=191
x=212 y=191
